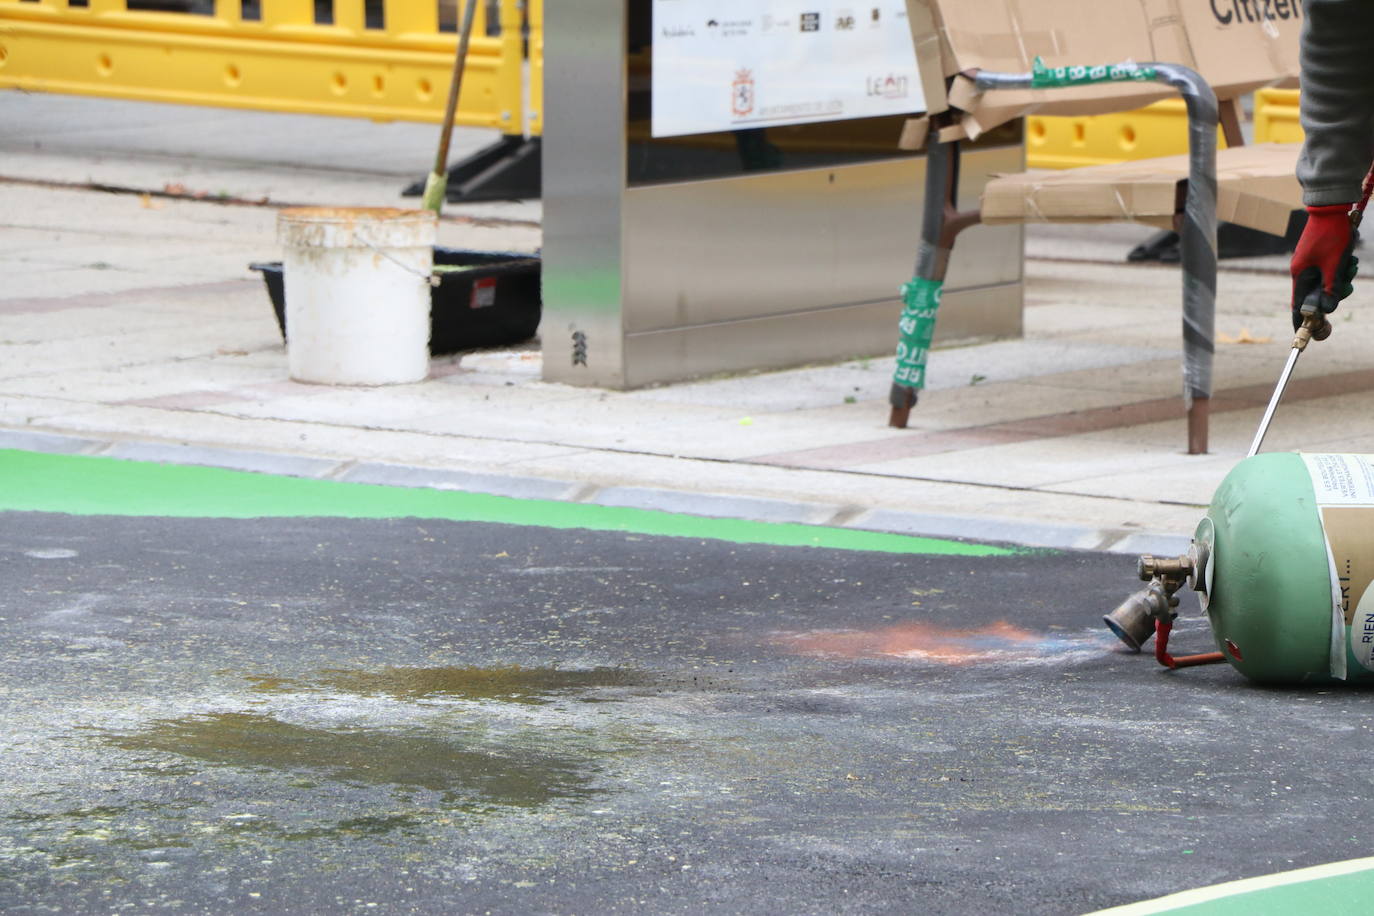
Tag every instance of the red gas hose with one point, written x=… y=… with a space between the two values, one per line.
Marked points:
x=1162 y=655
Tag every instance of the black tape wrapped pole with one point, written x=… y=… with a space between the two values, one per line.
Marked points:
x=1198 y=248
x=1197 y=225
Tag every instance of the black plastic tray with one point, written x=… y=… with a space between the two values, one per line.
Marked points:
x=493 y=304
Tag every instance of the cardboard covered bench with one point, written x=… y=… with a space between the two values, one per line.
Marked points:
x=1256 y=188
x=985 y=62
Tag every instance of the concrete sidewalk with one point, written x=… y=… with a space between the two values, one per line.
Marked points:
x=130 y=326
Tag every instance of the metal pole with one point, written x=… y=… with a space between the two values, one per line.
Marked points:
x=939 y=169
x=1273 y=402
x=930 y=264
x=1198 y=247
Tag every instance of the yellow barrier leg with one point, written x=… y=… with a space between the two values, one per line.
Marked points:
x=534 y=123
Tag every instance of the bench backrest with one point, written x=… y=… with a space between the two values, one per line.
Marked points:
x=1236 y=45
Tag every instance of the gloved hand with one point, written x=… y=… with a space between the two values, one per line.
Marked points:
x=1323 y=267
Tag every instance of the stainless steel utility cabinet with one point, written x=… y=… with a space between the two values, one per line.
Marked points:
x=658 y=281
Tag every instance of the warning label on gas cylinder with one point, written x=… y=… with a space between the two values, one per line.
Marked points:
x=1350 y=540
x=1344 y=488
x=1342 y=480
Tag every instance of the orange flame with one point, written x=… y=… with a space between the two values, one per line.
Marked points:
x=951 y=646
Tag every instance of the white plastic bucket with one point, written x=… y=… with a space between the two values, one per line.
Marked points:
x=357 y=290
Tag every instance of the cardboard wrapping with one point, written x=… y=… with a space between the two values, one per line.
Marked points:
x=1236 y=45
x=914 y=131
x=1256 y=187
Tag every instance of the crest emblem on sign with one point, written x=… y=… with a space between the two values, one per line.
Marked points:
x=742 y=93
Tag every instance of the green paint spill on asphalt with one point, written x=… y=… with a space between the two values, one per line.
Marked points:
x=511 y=684
x=512 y=776
x=83 y=485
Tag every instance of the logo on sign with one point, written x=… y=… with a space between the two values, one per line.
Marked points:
x=810 y=22
x=1228 y=11
x=742 y=94
x=845 y=21
x=891 y=86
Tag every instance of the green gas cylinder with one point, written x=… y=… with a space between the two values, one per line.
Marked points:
x=1283 y=564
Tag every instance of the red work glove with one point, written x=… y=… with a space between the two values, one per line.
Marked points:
x=1323 y=267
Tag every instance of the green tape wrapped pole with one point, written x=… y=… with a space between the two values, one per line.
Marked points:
x=921 y=300
x=1043 y=77
x=436 y=185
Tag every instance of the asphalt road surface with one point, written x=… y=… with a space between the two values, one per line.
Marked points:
x=315 y=715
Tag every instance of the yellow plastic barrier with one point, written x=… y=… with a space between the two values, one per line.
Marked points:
x=1160 y=129
x=1276 y=116
x=534 y=119
x=379 y=59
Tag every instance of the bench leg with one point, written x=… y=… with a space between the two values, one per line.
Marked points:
x=941 y=222
x=1197 y=426
x=902 y=400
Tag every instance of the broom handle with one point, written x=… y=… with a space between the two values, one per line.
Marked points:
x=441 y=161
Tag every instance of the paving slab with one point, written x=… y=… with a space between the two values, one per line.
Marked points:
x=768 y=510
x=438 y=479
x=243 y=154
x=260 y=462
x=41 y=442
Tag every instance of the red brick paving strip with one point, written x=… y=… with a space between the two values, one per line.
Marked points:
x=916 y=443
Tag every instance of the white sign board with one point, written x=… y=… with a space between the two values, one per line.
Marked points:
x=735 y=64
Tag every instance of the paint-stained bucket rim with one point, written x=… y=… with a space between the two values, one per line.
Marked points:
x=357 y=227
x=347 y=214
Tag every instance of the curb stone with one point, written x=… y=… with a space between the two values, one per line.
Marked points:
x=973 y=528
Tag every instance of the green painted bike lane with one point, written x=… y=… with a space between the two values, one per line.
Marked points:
x=1335 y=889
x=83 y=485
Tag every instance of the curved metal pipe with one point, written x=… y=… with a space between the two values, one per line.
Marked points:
x=1198 y=232
x=1198 y=227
